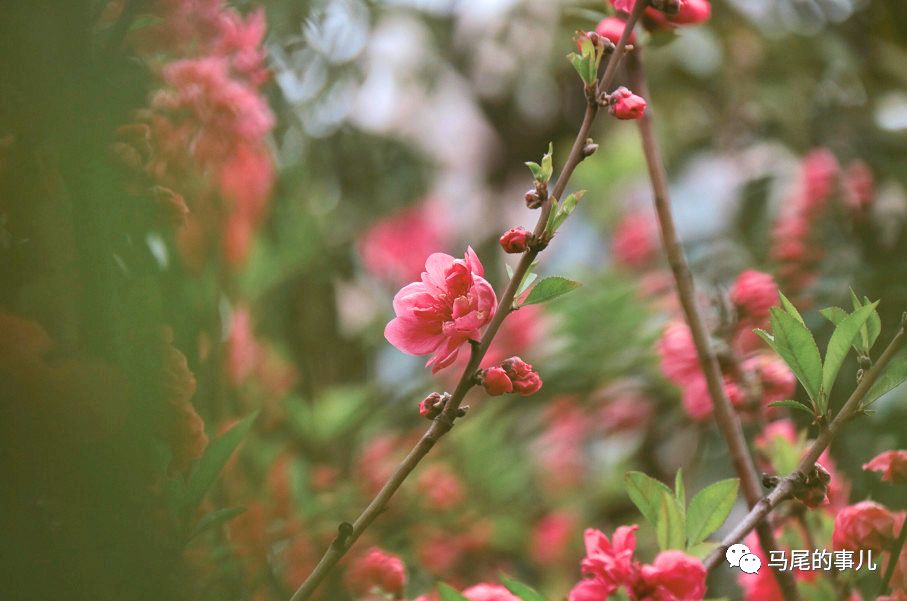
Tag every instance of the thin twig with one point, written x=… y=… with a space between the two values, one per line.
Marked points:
x=725 y=417
x=444 y=422
x=788 y=484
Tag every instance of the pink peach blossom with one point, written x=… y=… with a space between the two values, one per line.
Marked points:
x=489 y=592
x=377 y=569
x=754 y=293
x=439 y=314
x=866 y=525
x=891 y=464
x=674 y=576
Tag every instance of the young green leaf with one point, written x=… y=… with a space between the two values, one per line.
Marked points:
x=536 y=170
x=581 y=64
x=550 y=288
x=840 y=343
x=709 y=508
x=523 y=591
x=679 y=490
x=564 y=211
x=790 y=308
x=873 y=326
x=796 y=345
x=893 y=377
x=216 y=518
x=670 y=530
x=209 y=466
x=646 y=493
x=527 y=281
x=448 y=593
x=702 y=549
x=547 y=163
x=789 y=404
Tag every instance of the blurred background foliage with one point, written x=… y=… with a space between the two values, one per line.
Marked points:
x=399 y=128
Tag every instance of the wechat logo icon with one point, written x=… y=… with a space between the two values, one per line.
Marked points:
x=740 y=556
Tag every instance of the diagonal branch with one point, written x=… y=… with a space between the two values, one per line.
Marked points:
x=725 y=417
x=789 y=483
x=349 y=533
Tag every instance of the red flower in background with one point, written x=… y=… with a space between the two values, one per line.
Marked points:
x=395 y=248
x=891 y=464
x=754 y=293
x=377 y=569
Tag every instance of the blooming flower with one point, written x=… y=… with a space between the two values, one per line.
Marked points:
x=627 y=105
x=377 y=569
x=674 y=576
x=891 y=464
x=440 y=313
x=866 y=525
x=754 y=293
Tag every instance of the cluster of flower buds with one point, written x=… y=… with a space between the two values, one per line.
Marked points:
x=512 y=375
x=624 y=104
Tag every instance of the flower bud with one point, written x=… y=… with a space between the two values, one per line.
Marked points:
x=533 y=199
x=431 y=406
x=515 y=240
x=496 y=382
x=626 y=105
x=754 y=293
x=377 y=569
x=525 y=380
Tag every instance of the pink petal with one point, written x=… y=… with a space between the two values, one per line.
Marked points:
x=412 y=336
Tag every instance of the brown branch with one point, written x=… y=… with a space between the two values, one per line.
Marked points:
x=725 y=417
x=444 y=422
x=789 y=483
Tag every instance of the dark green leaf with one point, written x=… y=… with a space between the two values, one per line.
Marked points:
x=448 y=593
x=209 y=466
x=796 y=345
x=839 y=345
x=709 y=508
x=646 y=493
x=893 y=377
x=789 y=404
x=523 y=591
x=550 y=288
x=216 y=518
x=670 y=531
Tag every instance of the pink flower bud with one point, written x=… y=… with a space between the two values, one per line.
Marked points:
x=515 y=240
x=866 y=525
x=525 y=381
x=754 y=293
x=891 y=464
x=377 y=569
x=431 y=405
x=611 y=29
x=496 y=382
x=627 y=105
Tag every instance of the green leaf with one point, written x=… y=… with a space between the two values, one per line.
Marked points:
x=839 y=345
x=702 y=549
x=709 y=508
x=646 y=493
x=448 y=593
x=216 y=518
x=893 y=377
x=536 y=170
x=550 y=288
x=790 y=308
x=789 y=404
x=564 y=211
x=523 y=591
x=547 y=163
x=581 y=64
x=670 y=531
x=527 y=281
x=834 y=314
x=679 y=490
x=796 y=345
x=209 y=466
x=873 y=326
